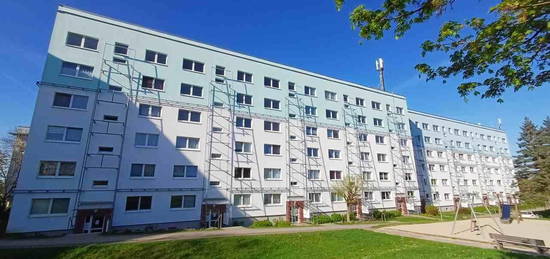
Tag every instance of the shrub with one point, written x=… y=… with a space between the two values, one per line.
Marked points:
x=321 y=219
x=376 y=214
x=262 y=224
x=337 y=217
x=481 y=209
x=282 y=223
x=464 y=210
x=432 y=210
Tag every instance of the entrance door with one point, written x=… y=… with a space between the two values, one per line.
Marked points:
x=94 y=223
x=293 y=214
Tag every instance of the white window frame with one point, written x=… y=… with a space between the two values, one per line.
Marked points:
x=147 y=136
x=156 y=57
x=242 y=198
x=82 y=41
x=244 y=75
x=186 y=140
x=194 y=65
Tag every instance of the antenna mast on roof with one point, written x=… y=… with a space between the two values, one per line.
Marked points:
x=380 y=69
x=499 y=123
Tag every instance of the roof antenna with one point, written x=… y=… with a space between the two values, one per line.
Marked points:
x=499 y=123
x=380 y=69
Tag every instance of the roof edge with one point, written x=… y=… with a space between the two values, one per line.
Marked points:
x=456 y=120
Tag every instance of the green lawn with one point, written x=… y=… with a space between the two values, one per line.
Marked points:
x=333 y=244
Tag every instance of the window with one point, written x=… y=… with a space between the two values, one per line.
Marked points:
x=272 y=126
x=427 y=139
x=270 y=82
x=368 y=196
x=359 y=101
x=332 y=114
x=64 y=134
x=334 y=197
x=272 y=198
x=270 y=149
x=310 y=91
x=377 y=122
x=345 y=98
x=330 y=96
x=312 y=152
x=105 y=149
x=242 y=172
x=149 y=110
x=405 y=159
x=136 y=203
x=311 y=131
x=333 y=134
x=388 y=107
x=447 y=196
x=291 y=86
x=310 y=110
x=142 y=170
x=146 y=140
x=425 y=126
x=190 y=90
x=399 y=110
x=438 y=141
x=314 y=197
x=243 y=147
x=408 y=176
x=56 y=168
x=152 y=83
x=383 y=176
x=241 y=200
x=456 y=131
x=361 y=119
x=187 y=171
x=187 y=143
x=431 y=167
x=81 y=41
x=182 y=201
x=220 y=71
x=364 y=156
x=435 y=128
x=442 y=168
x=333 y=154
x=241 y=122
x=375 y=105
x=433 y=181
x=381 y=157
x=386 y=195
x=192 y=65
x=50 y=206
x=410 y=194
x=362 y=137
x=115 y=88
x=244 y=76
x=335 y=175
x=271 y=104
x=100 y=183
x=155 y=57
x=272 y=173
x=244 y=99
x=367 y=175
x=191 y=116
x=70 y=101
x=379 y=139
x=444 y=182
x=121 y=48
x=313 y=174
x=403 y=142
x=76 y=70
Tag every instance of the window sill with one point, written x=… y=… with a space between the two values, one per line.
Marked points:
x=246 y=82
x=272 y=109
x=82 y=48
x=188 y=149
x=244 y=179
x=152 y=89
x=48 y=215
x=69 y=108
x=184 y=178
x=61 y=141
x=273 y=180
x=192 y=96
x=272 y=131
x=193 y=71
x=138 y=211
x=142 y=178
x=147 y=147
x=155 y=63
x=183 y=209
x=54 y=177
x=273 y=155
x=76 y=77
x=271 y=87
x=149 y=117
x=273 y=205
x=190 y=122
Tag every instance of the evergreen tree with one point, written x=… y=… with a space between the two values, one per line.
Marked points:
x=524 y=160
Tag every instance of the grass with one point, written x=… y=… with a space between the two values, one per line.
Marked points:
x=327 y=244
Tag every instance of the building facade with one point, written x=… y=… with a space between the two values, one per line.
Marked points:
x=152 y=130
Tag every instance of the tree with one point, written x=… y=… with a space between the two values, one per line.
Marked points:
x=524 y=159
x=511 y=51
x=350 y=189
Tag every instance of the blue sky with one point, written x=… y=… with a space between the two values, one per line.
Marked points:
x=308 y=34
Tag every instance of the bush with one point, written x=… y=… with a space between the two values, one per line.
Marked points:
x=481 y=209
x=321 y=219
x=337 y=217
x=376 y=214
x=282 y=223
x=432 y=210
x=464 y=211
x=262 y=224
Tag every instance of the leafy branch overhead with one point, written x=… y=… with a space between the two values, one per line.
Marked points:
x=510 y=50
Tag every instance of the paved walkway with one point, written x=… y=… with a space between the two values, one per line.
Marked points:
x=94 y=238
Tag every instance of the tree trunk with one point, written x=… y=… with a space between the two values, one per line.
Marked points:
x=348 y=212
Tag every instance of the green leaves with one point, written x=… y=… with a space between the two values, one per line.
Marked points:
x=511 y=52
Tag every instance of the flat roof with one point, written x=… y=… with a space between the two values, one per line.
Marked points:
x=455 y=121
x=138 y=28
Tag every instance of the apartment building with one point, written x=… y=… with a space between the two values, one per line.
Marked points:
x=461 y=162
x=151 y=130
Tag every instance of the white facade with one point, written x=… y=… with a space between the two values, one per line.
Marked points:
x=197 y=146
